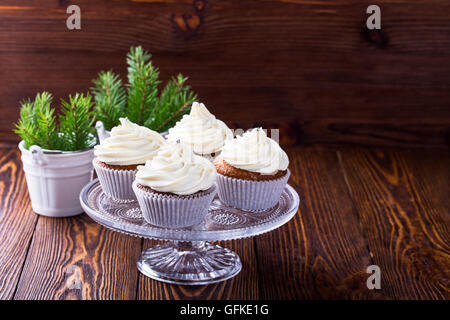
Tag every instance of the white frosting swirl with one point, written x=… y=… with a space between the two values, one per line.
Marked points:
x=176 y=169
x=129 y=144
x=200 y=130
x=254 y=151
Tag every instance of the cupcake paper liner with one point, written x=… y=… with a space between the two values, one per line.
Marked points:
x=172 y=211
x=117 y=184
x=250 y=195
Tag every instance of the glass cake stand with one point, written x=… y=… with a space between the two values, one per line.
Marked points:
x=188 y=257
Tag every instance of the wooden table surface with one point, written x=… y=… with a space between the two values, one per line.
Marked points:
x=359 y=207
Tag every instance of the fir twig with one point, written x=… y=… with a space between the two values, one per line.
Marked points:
x=174 y=102
x=26 y=126
x=76 y=121
x=46 y=120
x=173 y=118
x=36 y=124
x=110 y=98
x=142 y=85
x=143 y=105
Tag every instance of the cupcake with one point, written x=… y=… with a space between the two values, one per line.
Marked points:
x=252 y=171
x=176 y=188
x=118 y=156
x=201 y=131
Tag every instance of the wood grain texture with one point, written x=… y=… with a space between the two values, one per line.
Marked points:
x=242 y=287
x=358 y=207
x=76 y=258
x=402 y=202
x=310 y=67
x=322 y=253
x=17 y=221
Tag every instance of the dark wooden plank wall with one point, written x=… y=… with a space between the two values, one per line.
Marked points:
x=309 y=67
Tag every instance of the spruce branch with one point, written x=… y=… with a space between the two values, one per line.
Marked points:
x=25 y=126
x=36 y=123
x=175 y=101
x=110 y=98
x=142 y=85
x=136 y=59
x=46 y=121
x=76 y=121
x=140 y=102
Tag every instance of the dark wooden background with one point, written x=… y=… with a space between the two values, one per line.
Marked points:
x=310 y=68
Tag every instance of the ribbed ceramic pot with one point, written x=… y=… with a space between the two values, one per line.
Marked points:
x=55 y=179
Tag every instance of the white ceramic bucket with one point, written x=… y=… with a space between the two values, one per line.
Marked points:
x=55 y=179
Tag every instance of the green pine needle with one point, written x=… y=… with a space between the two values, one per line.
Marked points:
x=76 y=121
x=110 y=98
x=142 y=85
x=142 y=105
x=26 y=127
x=37 y=123
x=175 y=101
x=46 y=120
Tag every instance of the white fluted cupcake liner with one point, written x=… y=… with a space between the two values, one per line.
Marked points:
x=115 y=183
x=172 y=211
x=250 y=195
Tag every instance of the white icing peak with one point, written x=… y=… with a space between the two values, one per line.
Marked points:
x=254 y=151
x=176 y=169
x=129 y=144
x=198 y=110
x=201 y=130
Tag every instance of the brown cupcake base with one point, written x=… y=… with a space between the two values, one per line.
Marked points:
x=150 y=190
x=116 y=183
x=228 y=170
x=116 y=167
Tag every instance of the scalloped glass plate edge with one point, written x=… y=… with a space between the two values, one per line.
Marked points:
x=273 y=219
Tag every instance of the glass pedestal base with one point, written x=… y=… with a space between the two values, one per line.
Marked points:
x=190 y=260
x=189 y=263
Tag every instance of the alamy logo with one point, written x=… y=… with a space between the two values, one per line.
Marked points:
x=73 y=22
x=374 y=20
x=374 y=281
